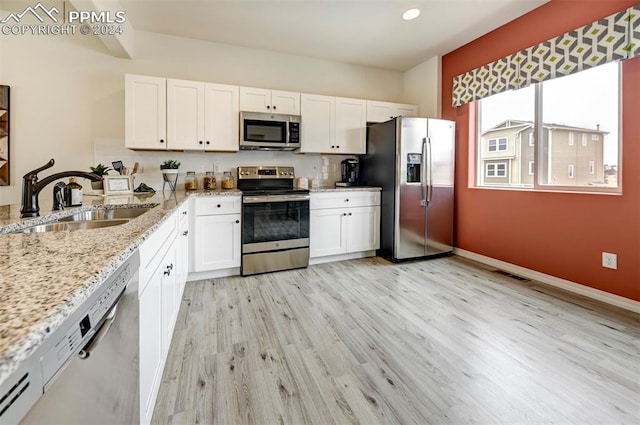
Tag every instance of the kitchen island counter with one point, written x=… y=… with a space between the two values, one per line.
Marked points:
x=44 y=277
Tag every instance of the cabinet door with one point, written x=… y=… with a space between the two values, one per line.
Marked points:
x=255 y=99
x=285 y=102
x=407 y=110
x=351 y=126
x=216 y=242
x=185 y=114
x=145 y=104
x=182 y=255
x=379 y=111
x=318 y=123
x=150 y=345
x=168 y=269
x=222 y=107
x=326 y=232
x=363 y=229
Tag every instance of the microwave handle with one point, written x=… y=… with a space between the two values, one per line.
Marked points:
x=288 y=136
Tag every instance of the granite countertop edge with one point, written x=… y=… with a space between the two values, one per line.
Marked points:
x=348 y=188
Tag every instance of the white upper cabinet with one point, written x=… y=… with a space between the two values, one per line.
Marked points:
x=333 y=124
x=265 y=100
x=351 y=126
x=145 y=112
x=318 y=123
x=384 y=111
x=222 y=110
x=202 y=116
x=185 y=114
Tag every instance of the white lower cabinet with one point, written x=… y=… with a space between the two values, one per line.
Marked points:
x=344 y=222
x=216 y=240
x=150 y=348
x=160 y=291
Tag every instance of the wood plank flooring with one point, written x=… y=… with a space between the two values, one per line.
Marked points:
x=443 y=341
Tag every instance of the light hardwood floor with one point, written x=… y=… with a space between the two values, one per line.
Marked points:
x=428 y=342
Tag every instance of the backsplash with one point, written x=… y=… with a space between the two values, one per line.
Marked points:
x=326 y=168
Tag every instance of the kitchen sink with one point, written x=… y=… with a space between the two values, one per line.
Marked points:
x=105 y=214
x=93 y=219
x=59 y=226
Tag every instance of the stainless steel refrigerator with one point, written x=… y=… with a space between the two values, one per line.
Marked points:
x=412 y=159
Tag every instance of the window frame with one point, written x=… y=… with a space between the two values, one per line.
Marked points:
x=486 y=174
x=478 y=181
x=497 y=144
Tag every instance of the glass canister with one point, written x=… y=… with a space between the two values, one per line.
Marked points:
x=227 y=180
x=209 y=181
x=191 y=182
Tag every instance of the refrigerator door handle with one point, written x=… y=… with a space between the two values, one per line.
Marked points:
x=423 y=178
x=430 y=172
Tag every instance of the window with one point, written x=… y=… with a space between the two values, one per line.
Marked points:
x=498 y=169
x=499 y=144
x=553 y=114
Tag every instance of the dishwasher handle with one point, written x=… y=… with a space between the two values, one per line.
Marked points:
x=101 y=332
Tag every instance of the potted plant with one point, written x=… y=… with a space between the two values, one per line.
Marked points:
x=169 y=170
x=101 y=170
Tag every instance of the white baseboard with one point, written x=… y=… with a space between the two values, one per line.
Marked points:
x=341 y=257
x=567 y=285
x=235 y=271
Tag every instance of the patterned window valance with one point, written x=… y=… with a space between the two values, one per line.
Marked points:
x=609 y=39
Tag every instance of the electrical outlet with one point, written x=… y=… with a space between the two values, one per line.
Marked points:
x=609 y=260
x=216 y=168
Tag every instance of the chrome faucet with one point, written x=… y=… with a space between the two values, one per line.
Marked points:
x=31 y=187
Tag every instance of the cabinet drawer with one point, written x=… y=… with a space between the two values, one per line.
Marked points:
x=151 y=249
x=213 y=205
x=344 y=199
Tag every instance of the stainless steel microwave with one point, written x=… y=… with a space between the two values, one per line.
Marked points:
x=266 y=131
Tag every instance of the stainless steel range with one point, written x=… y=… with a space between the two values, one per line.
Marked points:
x=275 y=220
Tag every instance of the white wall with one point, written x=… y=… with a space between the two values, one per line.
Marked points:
x=422 y=86
x=68 y=98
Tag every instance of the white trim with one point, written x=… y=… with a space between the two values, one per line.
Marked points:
x=193 y=276
x=567 y=285
x=341 y=257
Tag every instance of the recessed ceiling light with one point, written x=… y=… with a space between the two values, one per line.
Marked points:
x=411 y=14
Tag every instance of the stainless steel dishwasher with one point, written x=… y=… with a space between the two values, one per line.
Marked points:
x=91 y=369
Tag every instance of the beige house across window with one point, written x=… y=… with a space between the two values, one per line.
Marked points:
x=510 y=146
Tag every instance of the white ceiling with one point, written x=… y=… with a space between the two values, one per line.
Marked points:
x=361 y=32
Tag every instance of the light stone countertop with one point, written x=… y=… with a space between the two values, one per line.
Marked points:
x=44 y=277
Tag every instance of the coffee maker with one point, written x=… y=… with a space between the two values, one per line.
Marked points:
x=350 y=168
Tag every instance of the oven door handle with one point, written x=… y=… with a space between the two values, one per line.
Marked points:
x=274 y=198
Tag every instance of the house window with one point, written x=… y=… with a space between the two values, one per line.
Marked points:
x=497 y=145
x=592 y=167
x=531 y=165
x=583 y=105
x=497 y=169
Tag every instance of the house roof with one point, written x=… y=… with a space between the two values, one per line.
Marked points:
x=524 y=125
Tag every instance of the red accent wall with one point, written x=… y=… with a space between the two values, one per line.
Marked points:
x=560 y=234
